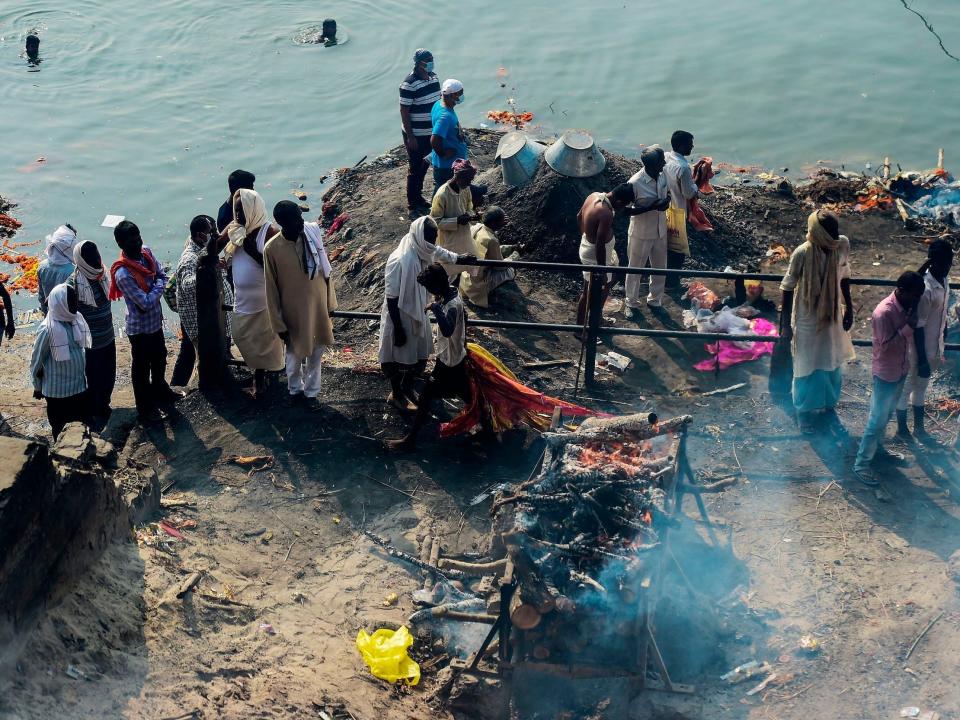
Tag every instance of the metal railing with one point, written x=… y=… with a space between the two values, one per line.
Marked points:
x=593 y=327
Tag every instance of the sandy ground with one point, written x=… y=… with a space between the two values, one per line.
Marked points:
x=288 y=580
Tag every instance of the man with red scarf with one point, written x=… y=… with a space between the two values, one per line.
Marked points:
x=138 y=278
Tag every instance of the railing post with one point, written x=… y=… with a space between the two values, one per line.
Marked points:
x=594 y=316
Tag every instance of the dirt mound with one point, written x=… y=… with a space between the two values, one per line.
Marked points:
x=831 y=187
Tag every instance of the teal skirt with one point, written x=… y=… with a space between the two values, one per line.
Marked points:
x=818 y=391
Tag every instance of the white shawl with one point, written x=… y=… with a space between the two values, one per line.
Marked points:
x=58 y=313
x=316 y=253
x=413 y=253
x=87 y=274
x=60 y=246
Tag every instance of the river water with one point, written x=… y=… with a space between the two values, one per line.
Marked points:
x=142 y=108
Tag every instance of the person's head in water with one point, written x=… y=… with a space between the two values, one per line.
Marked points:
x=329 y=30
x=32 y=46
x=622 y=196
x=682 y=142
x=200 y=230
x=939 y=259
x=91 y=254
x=289 y=217
x=909 y=290
x=423 y=62
x=434 y=279
x=653 y=161
x=494 y=218
x=127 y=235
x=240 y=179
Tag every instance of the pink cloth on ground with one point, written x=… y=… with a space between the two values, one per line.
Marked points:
x=729 y=354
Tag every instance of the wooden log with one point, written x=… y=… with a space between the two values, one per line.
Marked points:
x=461 y=616
x=940 y=159
x=188 y=584
x=474 y=569
x=530 y=586
x=493 y=605
x=524 y=616
x=435 y=552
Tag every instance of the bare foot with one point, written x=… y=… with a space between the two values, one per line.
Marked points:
x=402 y=404
x=402 y=445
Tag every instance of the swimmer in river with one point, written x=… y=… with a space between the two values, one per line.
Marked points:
x=329 y=36
x=32 y=49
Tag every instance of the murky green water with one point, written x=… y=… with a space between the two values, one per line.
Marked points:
x=142 y=108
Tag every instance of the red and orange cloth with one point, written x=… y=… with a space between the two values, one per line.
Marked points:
x=498 y=396
x=144 y=275
x=702 y=173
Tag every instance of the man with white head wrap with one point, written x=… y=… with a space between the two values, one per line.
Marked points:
x=92 y=284
x=406 y=338
x=259 y=345
x=446 y=138
x=57 y=367
x=57 y=266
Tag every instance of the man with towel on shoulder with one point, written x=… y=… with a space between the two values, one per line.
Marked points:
x=596 y=242
x=300 y=297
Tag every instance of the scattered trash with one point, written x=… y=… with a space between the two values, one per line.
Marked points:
x=266 y=537
x=76 y=673
x=299 y=194
x=255 y=533
x=745 y=672
x=810 y=644
x=170 y=530
x=896 y=542
x=762 y=686
x=111 y=221
x=385 y=653
x=255 y=463
x=613 y=361
x=391 y=599
x=268 y=628
x=705 y=297
x=909 y=712
x=722 y=391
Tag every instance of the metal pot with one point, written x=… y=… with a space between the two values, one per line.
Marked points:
x=519 y=157
x=575 y=154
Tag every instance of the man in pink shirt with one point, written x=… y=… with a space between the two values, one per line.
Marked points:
x=893 y=321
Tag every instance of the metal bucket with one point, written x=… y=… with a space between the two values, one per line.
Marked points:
x=575 y=154
x=519 y=157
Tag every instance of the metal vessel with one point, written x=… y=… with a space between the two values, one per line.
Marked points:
x=519 y=157
x=575 y=154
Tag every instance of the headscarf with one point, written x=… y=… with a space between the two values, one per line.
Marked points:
x=87 y=274
x=254 y=209
x=461 y=165
x=413 y=253
x=60 y=246
x=59 y=313
x=819 y=285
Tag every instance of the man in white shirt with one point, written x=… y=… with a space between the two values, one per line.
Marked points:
x=682 y=190
x=647 y=234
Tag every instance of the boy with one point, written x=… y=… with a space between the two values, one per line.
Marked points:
x=449 y=377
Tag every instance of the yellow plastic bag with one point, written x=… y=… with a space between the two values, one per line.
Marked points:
x=385 y=653
x=677 y=230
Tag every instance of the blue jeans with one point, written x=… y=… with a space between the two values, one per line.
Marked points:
x=884 y=402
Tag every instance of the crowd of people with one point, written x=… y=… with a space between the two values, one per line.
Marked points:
x=267 y=286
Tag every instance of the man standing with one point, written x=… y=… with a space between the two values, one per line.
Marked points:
x=595 y=220
x=57 y=267
x=926 y=352
x=447 y=138
x=419 y=92
x=300 y=297
x=647 y=235
x=235 y=181
x=682 y=191
x=816 y=280
x=477 y=289
x=138 y=278
x=894 y=320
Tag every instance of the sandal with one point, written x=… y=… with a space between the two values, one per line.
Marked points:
x=867 y=477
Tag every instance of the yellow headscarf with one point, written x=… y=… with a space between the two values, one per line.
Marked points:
x=254 y=209
x=819 y=284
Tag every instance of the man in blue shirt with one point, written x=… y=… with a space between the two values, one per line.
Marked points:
x=447 y=138
x=138 y=278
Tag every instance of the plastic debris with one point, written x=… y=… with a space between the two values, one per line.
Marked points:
x=809 y=643
x=745 y=672
x=268 y=628
x=385 y=653
x=391 y=599
x=909 y=712
x=76 y=673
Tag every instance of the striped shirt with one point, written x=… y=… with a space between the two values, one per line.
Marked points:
x=144 y=314
x=57 y=379
x=420 y=95
x=99 y=317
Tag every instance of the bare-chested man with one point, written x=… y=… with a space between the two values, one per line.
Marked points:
x=596 y=243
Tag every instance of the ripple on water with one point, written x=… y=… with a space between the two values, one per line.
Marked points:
x=308 y=35
x=72 y=42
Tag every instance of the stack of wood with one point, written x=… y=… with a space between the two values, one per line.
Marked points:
x=580 y=538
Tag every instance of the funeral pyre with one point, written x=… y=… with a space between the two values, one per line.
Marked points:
x=582 y=538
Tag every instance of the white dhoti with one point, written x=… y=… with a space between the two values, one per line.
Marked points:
x=640 y=251
x=588 y=255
